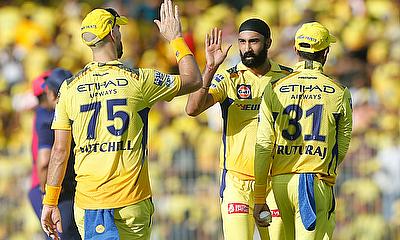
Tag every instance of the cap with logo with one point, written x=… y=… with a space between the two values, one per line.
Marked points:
x=99 y=23
x=313 y=37
x=56 y=78
x=38 y=83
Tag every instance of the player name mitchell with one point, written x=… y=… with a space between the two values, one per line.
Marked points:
x=108 y=146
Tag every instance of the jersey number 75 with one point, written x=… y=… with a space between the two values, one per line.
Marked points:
x=111 y=115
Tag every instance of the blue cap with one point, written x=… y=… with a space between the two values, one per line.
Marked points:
x=56 y=78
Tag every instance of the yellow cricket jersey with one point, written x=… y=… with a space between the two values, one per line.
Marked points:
x=106 y=106
x=305 y=125
x=239 y=93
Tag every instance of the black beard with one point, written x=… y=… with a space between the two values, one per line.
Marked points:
x=256 y=61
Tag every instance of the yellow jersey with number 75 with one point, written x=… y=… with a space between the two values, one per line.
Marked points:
x=106 y=107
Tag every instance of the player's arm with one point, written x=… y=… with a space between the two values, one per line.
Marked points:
x=263 y=156
x=51 y=217
x=45 y=142
x=42 y=165
x=264 y=145
x=59 y=157
x=345 y=126
x=201 y=100
x=170 y=27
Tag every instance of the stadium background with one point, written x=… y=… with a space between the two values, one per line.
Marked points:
x=36 y=36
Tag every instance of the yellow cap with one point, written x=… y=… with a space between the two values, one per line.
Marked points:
x=99 y=22
x=313 y=37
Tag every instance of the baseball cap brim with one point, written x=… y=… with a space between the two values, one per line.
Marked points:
x=332 y=39
x=122 y=20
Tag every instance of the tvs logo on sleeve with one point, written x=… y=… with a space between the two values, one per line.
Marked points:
x=243 y=91
x=238 y=208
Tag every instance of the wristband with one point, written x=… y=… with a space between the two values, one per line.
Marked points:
x=260 y=194
x=52 y=195
x=180 y=48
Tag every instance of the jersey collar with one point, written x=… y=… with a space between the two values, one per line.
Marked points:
x=99 y=64
x=311 y=65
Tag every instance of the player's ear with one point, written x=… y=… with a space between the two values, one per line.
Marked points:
x=268 y=43
x=296 y=51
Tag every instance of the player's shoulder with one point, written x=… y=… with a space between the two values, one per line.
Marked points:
x=233 y=72
x=77 y=76
x=333 y=81
x=290 y=75
x=285 y=69
x=134 y=71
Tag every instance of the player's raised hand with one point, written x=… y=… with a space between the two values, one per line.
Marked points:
x=169 y=23
x=214 y=53
x=51 y=221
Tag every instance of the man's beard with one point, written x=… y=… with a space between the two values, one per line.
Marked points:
x=119 y=50
x=256 y=60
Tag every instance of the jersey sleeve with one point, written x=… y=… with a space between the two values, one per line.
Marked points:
x=345 y=125
x=218 y=88
x=61 y=120
x=157 y=86
x=264 y=146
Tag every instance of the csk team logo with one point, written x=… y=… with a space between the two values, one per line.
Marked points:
x=244 y=91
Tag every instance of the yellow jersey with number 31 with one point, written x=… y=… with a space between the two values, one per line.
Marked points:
x=305 y=125
x=106 y=107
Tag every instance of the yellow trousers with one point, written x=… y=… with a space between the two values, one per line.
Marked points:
x=285 y=188
x=237 y=207
x=133 y=221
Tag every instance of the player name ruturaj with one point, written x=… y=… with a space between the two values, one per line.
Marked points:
x=307 y=150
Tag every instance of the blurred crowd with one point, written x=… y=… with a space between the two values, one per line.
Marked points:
x=40 y=35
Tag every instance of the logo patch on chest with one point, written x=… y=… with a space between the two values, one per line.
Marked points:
x=243 y=91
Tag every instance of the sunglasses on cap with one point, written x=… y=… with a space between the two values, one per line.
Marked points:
x=115 y=14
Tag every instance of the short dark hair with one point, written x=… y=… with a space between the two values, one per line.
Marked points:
x=312 y=56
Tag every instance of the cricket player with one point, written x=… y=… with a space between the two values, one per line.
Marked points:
x=105 y=109
x=239 y=91
x=303 y=135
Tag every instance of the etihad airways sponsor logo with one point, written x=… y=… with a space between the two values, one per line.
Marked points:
x=306 y=88
x=88 y=87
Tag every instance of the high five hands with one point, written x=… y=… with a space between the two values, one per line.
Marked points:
x=169 y=23
x=214 y=53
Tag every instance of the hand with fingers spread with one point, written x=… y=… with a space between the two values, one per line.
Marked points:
x=51 y=221
x=214 y=53
x=169 y=23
